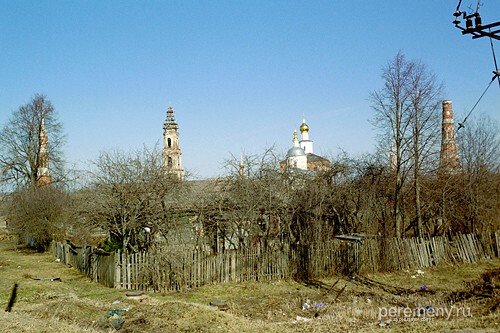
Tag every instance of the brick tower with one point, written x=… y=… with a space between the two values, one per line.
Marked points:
x=449 y=156
x=43 y=172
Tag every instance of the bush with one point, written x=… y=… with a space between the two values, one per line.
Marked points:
x=37 y=215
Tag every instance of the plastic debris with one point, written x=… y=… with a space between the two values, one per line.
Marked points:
x=418 y=273
x=114 y=319
x=318 y=305
x=114 y=313
x=299 y=319
x=312 y=305
x=117 y=323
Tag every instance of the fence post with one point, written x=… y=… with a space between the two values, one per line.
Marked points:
x=117 y=263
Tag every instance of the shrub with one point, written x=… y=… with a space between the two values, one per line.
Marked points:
x=37 y=215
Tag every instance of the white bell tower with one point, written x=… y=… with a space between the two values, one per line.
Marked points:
x=305 y=143
x=171 y=150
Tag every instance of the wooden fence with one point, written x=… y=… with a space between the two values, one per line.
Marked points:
x=162 y=270
x=98 y=265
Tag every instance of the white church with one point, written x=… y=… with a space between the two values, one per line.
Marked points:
x=301 y=156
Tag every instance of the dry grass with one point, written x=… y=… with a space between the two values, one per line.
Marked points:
x=78 y=305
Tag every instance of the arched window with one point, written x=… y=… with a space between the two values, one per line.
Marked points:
x=169 y=143
x=169 y=162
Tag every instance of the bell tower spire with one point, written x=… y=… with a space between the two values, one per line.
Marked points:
x=171 y=150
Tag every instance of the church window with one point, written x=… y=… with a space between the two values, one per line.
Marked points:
x=169 y=143
x=169 y=162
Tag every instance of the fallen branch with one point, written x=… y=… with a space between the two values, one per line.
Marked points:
x=330 y=289
x=49 y=279
x=340 y=292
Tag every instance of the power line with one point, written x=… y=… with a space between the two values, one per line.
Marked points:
x=462 y=124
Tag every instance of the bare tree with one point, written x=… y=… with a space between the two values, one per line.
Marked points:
x=425 y=95
x=20 y=143
x=131 y=197
x=405 y=114
x=391 y=105
x=361 y=195
x=479 y=152
x=247 y=206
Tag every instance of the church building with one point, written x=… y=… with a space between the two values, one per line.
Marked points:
x=301 y=156
x=171 y=150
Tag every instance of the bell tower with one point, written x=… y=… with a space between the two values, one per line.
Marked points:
x=305 y=143
x=171 y=150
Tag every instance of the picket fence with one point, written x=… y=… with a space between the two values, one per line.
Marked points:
x=162 y=271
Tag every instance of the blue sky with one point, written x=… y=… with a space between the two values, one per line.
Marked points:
x=239 y=74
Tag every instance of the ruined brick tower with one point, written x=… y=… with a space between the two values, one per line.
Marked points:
x=171 y=150
x=449 y=156
x=43 y=173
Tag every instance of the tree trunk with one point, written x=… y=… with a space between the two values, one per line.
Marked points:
x=418 y=209
x=416 y=174
x=397 y=209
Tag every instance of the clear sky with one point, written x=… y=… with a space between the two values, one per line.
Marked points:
x=239 y=74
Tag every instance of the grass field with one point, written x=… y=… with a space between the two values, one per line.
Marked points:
x=465 y=298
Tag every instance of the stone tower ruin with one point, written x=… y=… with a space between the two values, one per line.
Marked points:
x=449 y=161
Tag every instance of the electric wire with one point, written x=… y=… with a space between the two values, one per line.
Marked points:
x=462 y=124
x=496 y=72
